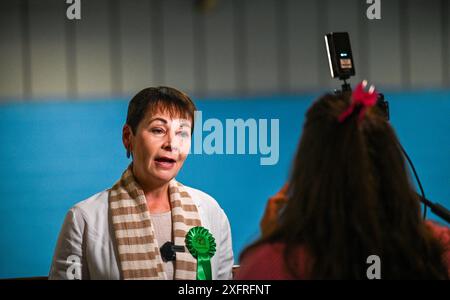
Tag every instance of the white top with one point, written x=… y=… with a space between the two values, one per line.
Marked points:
x=162 y=226
x=85 y=247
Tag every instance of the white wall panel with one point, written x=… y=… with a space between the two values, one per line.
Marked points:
x=11 y=58
x=47 y=49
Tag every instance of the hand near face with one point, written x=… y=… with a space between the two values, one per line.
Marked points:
x=270 y=221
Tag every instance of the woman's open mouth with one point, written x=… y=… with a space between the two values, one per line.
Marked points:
x=165 y=162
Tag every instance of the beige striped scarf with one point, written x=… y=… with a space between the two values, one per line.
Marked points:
x=138 y=249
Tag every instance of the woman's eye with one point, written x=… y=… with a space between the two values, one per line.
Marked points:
x=157 y=131
x=183 y=134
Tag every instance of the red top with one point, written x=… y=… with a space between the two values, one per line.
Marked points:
x=266 y=262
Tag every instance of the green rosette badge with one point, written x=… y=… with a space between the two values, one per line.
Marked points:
x=202 y=245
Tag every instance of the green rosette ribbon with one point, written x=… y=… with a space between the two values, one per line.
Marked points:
x=202 y=245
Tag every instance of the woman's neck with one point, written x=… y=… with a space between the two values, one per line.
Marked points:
x=158 y=198
x=157 y=195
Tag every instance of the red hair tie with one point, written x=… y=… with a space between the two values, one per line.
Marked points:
x=360 y=97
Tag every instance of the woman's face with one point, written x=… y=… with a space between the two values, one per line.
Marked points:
x=159 y=148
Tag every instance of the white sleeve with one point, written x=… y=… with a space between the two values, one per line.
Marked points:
x=226 y=259
x=68 y=260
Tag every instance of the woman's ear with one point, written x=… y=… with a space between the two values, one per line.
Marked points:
x=127 y=137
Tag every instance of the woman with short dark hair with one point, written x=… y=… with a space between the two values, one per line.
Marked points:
x=148 y=225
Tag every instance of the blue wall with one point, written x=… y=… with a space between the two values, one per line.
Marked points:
x=54 y=154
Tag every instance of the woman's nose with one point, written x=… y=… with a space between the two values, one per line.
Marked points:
x=168 y=144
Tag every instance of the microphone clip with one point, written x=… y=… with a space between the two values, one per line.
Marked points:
x=169 y=251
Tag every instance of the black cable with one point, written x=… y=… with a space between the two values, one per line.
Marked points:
x=417 y=179
x=436 y=208
x=346 y=87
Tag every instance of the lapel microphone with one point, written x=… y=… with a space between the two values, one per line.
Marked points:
x=169 y=251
